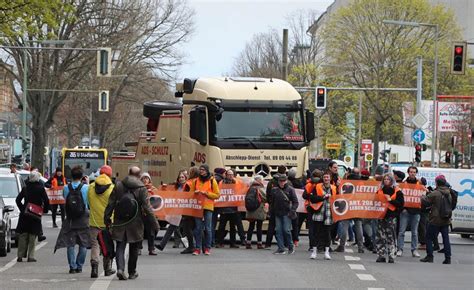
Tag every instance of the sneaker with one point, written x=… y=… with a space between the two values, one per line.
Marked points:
x=248 y=246
x=187 y=251
x=55 y=225
x=260 y=246
x=207 y=252
x=152 y=253
x=399 y=253
x=427 y=259
x=19 y=260
x=447 y=261
x=121 y=275
x=133 y=275
x=41 y=238
x=159 y=247
x=196 y=252
x=280 y=252
x=391 y=260
x=72 y=271
x=327 y=256
x=381 y=259
x=415 y=254
x=140 y=252
x=291 y=251
x=109 y=272
x=31 y=260
x=78 y=270
x=314 y=255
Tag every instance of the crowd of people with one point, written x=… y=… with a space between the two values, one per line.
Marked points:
x=122 y=209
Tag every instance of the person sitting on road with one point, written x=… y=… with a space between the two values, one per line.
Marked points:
x=385 y=241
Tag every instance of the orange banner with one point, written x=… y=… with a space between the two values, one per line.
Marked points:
x=232 y=195
x=412 y=194
x=55 y=196
x=176 y=203
x=359 y=205
x=359 y=186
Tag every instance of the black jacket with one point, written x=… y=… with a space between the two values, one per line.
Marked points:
x=284 y=200
x=33 y=192
x=397 y=202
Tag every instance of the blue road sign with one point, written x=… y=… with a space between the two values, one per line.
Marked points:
x=418 y=136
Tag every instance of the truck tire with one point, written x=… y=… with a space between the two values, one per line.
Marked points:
x=153 y=109
x=465 y=236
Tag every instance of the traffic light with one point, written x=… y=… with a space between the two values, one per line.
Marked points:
x=447 y=157
x=384 y=154
x=103 y=101
x=458 y=60
x=104 y=62
x=424 y=147
x=418 y=153
x=320 y=98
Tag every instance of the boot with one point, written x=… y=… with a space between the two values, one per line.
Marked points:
x=326 y=254
x=95 y=270
x=427 y=259
x=108 y=271
x=340 y=249
x=248 y=245
x=447 y=261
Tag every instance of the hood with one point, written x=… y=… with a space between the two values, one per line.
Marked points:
x=443 y=189
x=132 y=182
x=102 y=183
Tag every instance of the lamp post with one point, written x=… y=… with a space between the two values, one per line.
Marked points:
x=435 y=78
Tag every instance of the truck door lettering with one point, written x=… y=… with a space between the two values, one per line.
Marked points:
x=200 y=157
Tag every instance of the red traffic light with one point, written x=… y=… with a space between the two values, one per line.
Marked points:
x=320 y=91
x=418 y=147
x=458 y=50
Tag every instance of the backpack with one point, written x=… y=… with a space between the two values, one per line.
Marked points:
x=126 y=207
x=253 y=200
x=454 y=198
x=75 y=205
x=445 y=206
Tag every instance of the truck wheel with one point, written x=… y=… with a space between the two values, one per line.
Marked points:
x=3 y=245
x=153 y=109
x=465 y=236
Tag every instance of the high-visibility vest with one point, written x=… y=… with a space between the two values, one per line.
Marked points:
x=394 y=196
x=320 y=192
x=55 y=185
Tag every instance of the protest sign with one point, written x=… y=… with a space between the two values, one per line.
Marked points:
x=358 y=205
x=175 y=203
x=55 y=196
x=232 y=195
x=412 y=194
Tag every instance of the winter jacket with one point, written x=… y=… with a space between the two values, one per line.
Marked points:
x=132 y=229
x=258 y=214
x=82 y=222
x=433 y=199
x=211 y=187
x=33 y=192
x=284 y=200
x=98 y=196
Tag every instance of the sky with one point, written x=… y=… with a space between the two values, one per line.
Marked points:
x=222 y=28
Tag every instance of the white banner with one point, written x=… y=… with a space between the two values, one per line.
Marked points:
x=453 y=116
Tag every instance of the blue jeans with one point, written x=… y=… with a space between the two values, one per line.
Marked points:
x=206 y=223
x=432 y=234
x=414 y=220
x=283 y=232
x=76 y=262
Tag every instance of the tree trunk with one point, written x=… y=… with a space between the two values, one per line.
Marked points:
x=377 y=135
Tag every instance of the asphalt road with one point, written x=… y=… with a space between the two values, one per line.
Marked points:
x=241 y=268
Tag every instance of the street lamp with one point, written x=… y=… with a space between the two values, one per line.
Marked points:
x=435 y=76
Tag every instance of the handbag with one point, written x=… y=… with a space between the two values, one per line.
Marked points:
x=33 y=210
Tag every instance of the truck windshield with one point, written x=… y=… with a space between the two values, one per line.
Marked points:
x=260 y=124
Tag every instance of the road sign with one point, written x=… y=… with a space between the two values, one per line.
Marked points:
x=347 y=159
x=366 y=147
x=369 y=157
x=334 y=146
x=419 y=120
x=418 y=136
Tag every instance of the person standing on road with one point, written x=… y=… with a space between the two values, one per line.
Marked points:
x=75 y=229
x=409 y=216
x=439 y=219
x=188 y=221
x=271 y=217
x=310 y=190
x=98 y=196
x=385 y=240
x=149 y=232
x=206 y=185
x=296 y=223
x=57 y=182
x=284 y=203
x=322 y=216
x=29 y=226
x=257 y=216
x=128 y=203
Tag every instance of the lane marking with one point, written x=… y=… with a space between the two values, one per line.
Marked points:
x=103 y=282
x=357 y=267
x=13 y=262
x=351 y=258
x=366 y=277
x=349 y=250
x=44 y=280
x=375 y=288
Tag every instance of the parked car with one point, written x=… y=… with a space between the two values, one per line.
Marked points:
x=10 y=186
x=5 y=225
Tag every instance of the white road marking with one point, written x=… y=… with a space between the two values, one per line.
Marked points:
x=366 y=277
x=13 y=262
x=103 y=282
x=375 y=288
x=357 y=267
x=44 y=280
x=351 y=258
x=349 y=250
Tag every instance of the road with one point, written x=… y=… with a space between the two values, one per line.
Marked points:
x=241 y=268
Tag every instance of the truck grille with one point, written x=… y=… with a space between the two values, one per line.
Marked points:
x=249 y=171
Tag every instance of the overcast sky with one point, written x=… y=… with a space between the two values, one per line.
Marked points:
x=222 y=28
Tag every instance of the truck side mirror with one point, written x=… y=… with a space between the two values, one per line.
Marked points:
x=198 y=125
x=309 y=126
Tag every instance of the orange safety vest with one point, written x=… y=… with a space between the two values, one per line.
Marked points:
x=54 y=183
x=320 y=192
x=205 y=187
x=394 y=196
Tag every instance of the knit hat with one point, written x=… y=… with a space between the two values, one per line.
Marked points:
x=440 y=179
x=399 y=174
x=365 y=172
x=145 y=174
x=282 y=177
x=107 y=170
x=220 y=171
x=206 y=167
